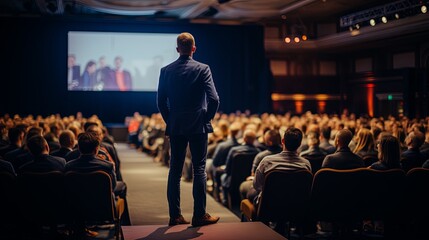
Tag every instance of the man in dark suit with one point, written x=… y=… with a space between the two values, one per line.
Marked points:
x=88 y=144
x=16 y=138
x=120 y=80
x=73 y=72
x=247 y=147
x=412 y=157
x=42 y=161
x=187 y=100
x=67 y=142
x=343 y=158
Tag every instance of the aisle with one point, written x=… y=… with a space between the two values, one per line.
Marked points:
x=147 y=194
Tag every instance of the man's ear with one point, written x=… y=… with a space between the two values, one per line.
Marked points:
x=194 y=48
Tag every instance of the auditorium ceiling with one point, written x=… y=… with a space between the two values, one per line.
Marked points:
x=210 y=11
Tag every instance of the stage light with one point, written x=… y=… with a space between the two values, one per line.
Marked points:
x=357 y=26
x=284 y=17
x=424 y=9
x=296 y=39
x=304 y=37
x=372 y=22
x=384 y=19
x=287 y=39
x=351 y=28
x=396 y=16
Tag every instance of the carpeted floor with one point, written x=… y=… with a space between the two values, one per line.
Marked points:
x=147 y=194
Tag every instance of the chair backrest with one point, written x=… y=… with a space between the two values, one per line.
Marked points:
x=337 y=195
x=241 y=167
x=285 y=196
x=316 y=162
x=41 y=197
x=90 y=196
x=8 y=206
x=384 y=194
x=369 y=160
x=416 y=193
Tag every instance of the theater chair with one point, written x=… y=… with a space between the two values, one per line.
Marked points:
x=347 y=197
x=241 y=167
x=91 y=200
x=41 y=199
x=285 y=198
x=8 y=207
x=416 y=202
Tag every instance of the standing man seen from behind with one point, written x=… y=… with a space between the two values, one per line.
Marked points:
x=187 y=100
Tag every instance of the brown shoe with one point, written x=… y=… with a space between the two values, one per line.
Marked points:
x=206 y=219
x=176 y=221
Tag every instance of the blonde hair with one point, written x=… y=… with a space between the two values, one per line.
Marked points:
x=365 y=141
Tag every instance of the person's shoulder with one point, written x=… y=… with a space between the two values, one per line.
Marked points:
x=56 y=158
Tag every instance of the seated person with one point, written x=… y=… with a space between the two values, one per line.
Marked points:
x=246 y=148
x=343 y=158
x=5 y=166
x=21 y=156
x=272 y=140
x=412 y=157
x=314 y=153
x=67 y=142
x=389 y=152
x=41 y=160
x=16 y=138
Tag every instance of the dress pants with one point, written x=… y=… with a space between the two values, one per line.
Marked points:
x=198 y=148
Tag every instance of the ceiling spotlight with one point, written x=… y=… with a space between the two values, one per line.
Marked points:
x=284 y=17
x=372 y=22
x=296 y=39
x=384 y=19
x=287 y=39
x=396 y=16
x=357 y=26
x=304 y=37
x=424 y=9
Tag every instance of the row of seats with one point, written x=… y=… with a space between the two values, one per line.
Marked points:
x=342 y=196
x=54 y=198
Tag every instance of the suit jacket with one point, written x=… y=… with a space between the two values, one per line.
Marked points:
x=221 y=151
x=111 y=84
x=62 y=152
x=43 y=163
x=6 y=166
x=187 y=97
x=327 y=147
x=89 y=163
x=412 y=158
x=7 y=149
x=343 y=159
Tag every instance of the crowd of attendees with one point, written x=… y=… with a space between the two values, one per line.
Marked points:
x=55 y=143
x=309 y=141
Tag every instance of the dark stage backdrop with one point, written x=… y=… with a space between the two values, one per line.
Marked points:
x=34 y=67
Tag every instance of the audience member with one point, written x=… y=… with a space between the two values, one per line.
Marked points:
x=16 y=138
x=287 y=160
x=67 y=142
x=246 y=148
x=324 y=140
x=365 y=146
x=272 y=140
x=42 y=161
x=343 y=158
x=389 y=153
x=412 y=157
x=6 y=166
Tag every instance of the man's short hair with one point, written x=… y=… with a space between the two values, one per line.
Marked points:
x=344 y=136
x=185 y=42
x=274 y=136
x=292 y=138
x=88 y=143
x=67 y=139
x=86 y=125
x=36 y=145
x=14 y=134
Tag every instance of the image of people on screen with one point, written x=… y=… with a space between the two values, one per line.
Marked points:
x=73 y=72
